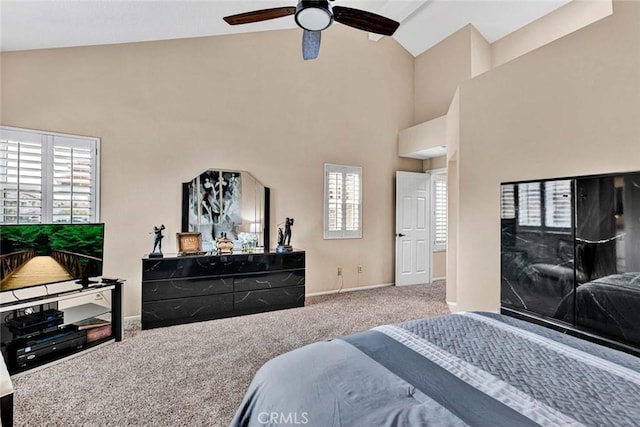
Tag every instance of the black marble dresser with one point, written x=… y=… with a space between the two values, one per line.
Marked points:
x=184 y=289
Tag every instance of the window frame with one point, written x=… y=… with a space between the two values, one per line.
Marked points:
x=343 y=233
x=48 y=142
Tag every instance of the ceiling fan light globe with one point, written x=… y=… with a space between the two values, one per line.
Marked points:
x=314 y=18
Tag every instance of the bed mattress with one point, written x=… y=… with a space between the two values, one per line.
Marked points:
x=478 y=369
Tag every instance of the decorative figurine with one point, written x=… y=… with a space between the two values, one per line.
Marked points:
x=224 y=244
x=287 y=231
x=284 y=239
x=157 y=242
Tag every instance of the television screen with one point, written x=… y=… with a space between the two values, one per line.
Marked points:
x=39 y=254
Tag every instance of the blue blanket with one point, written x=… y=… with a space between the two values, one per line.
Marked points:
x=478 y=369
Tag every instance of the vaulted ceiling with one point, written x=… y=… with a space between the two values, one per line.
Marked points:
x=423 y=23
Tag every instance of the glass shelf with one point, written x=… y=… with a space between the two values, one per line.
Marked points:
x=84 y=311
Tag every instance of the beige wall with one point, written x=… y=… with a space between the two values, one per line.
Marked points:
x=569 y=108
x=571 y=17
x=168 y=110
x=438 y=72
x=439 y=264
x=435 y=163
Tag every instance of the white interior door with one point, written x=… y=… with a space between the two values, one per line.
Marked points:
x=413 y=248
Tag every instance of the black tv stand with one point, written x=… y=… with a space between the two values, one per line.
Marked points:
x=82 y=325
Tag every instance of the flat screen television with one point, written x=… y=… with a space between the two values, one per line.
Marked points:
x=40 y=254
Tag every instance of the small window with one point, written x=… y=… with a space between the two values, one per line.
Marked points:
x=47 y=177
x=439 y=189
x=342 y=201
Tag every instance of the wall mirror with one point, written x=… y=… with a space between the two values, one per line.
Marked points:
x=220 y=201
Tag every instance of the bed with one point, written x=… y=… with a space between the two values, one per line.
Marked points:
x=476 y=368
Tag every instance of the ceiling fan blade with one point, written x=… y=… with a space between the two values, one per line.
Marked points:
x=365 y=21
x=310 y=44
x=259 y=15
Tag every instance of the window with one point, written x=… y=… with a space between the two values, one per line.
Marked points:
x=439 y=191
x=47 y=177
x=342 y=202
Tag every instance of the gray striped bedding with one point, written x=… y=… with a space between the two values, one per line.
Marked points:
x=477 y=369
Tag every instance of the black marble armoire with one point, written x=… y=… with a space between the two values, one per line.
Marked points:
x=570 y=255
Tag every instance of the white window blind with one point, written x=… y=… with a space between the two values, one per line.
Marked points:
x=343 y=201
x=439 y=211
x=507 y=201
x=557 y=201
x=529 y=204
x=46 y=177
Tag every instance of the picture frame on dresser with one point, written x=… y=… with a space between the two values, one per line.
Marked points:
x=189 y=243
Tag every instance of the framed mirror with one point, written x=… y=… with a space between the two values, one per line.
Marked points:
x=226 y=202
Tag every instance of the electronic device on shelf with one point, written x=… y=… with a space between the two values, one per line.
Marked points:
x=30 y=351
x=33 y=322
x=50 y=253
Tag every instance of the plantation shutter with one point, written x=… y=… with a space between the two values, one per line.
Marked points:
x=440 y=211
x=334 y=201
x=343 y=202
x=21 y=177
x=352 y=201
x=558 y=203
x=529 y=204
x=46 y=177
x=73 y=180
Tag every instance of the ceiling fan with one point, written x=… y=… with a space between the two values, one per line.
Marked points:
x=313 y=16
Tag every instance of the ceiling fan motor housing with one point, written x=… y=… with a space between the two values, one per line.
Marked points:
x=314 y=15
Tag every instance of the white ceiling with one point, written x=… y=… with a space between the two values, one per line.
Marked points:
x=62 y=23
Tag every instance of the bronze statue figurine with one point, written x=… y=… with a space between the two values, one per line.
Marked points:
x=284 y=238
x=157 y=242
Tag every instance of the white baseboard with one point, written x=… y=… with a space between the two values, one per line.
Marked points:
x=439 y=278
x=361 y=288
x=453 y=307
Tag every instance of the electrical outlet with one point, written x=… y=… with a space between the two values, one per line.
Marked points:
x=339 y=271
x=360 y=269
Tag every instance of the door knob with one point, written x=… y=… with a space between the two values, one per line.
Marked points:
x=400 y=235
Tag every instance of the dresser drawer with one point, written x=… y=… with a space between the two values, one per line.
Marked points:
x=255 y=263
x=268 y=299
x=280 y=279
x=185 y=310
x=186 y=266
x=154 y=290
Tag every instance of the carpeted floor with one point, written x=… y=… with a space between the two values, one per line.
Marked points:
x=197 y=374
